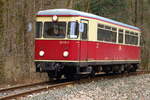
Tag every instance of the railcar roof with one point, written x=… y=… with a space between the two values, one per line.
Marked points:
x=84 y=14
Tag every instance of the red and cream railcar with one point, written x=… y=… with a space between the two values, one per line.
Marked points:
x=70 y=42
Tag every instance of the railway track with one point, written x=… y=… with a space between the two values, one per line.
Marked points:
x=24 y=90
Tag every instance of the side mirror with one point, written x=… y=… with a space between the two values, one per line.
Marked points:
x=81 y=27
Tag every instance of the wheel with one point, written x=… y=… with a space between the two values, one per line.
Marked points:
x=69 y=76
x=50 y=76
x=127 y=68
x=107 y=69
x=122 y=69
x=54 y=75
x=134 y=68
x=92 y=73
x=131 y=68
x=76 y=76
x=115 y=69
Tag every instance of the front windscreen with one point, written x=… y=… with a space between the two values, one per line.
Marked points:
x=38 y=30
x=54 y=30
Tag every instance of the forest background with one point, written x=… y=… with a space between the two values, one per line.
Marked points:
x=17 y=25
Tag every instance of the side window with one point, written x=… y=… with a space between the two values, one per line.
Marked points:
x=100 y=35
x=141 y=40
x=114 y=34
x=120 y=37
x=106 y=33
x=38 y=33
x=84 y=33
x=73 y=31
x=131 y=38
x=128 y=38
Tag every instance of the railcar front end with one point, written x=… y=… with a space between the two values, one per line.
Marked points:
x=57 y=45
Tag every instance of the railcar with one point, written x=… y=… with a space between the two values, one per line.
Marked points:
x=71 y=43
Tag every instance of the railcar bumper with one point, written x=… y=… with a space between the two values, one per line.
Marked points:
x=51 y=66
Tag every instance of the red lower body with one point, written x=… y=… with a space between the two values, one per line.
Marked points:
x=85 y=51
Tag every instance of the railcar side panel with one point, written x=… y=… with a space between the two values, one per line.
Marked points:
x=92 y=46
x=84 y=50
x=108 y=51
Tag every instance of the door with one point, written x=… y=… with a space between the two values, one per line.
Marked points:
x=84 y=40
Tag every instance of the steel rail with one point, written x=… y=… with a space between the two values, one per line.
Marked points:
x=44 y=88
x=22 y=86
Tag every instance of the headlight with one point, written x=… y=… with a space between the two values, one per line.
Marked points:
x=41 y=53
x=65 y=53
x=55 y=18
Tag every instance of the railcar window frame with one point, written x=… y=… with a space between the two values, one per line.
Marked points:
x=84 y=35
x=126 y=37
x=40 y=30
x=120 y=35
x=62 y=35
x=131 y=38
x=76 y=29
x=106 y=33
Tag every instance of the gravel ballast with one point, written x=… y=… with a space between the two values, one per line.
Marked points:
x=126 y=88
